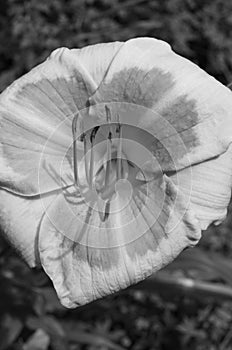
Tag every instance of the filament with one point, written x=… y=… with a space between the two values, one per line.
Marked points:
x=75 y=166
x=119 y=150
x=109 y=146
x=84 y=139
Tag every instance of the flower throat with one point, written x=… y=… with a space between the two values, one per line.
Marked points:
x=115 y=166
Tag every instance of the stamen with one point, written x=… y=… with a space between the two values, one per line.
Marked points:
x=108 y=114
x=107 y=211
x=74 y=132
x=104 y=214
x=83 y=139
x=92 y=138
x=119 y=150
x=108 y=162
x=109 y=146
x=86 y=160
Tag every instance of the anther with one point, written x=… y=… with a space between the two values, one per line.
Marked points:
x=92 y=138
x=107 y=211
x=104 y=212
x=108 y=114
x=93 y=133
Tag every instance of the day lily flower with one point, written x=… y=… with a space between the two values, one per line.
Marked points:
x=113 y=159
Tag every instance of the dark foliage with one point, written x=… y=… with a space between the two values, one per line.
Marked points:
x=31 y=29
x=31 y=317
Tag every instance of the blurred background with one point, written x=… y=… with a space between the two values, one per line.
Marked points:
x=189 y=304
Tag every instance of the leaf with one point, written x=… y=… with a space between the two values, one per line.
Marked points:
x=10 y=328
x=167 y=284
x=90 y=338
x=52 y=327
x=63 y=333
x=38 y=341
x=52 y=302
x=209 y=266
x=194 y=260
x=47 y=323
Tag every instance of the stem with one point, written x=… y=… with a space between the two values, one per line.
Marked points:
x=164 y=283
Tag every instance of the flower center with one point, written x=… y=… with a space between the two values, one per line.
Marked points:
x=103 y=176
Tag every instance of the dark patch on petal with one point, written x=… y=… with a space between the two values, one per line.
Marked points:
x=146 y=88
x=57 y=98
x=183 y=117
x=53 y=102
x=181 y=114
x=137 y=86
x=173 y=140
x=102 y=258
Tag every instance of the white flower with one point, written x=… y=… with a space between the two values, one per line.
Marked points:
x=113 y=158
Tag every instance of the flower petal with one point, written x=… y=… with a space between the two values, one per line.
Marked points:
x=97 y=58
x=137 y=241
x=209 y=188
x=20 y=221
x=193 y=109
x=36 y=115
